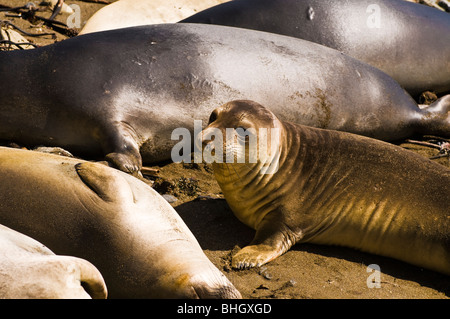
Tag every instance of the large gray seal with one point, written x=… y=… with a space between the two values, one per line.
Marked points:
x=122 y=93
x=330 y=187
x=121 y=225
x=29 y=270
x=408 y=41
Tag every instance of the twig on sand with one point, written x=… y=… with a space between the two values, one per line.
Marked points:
x=442 y=144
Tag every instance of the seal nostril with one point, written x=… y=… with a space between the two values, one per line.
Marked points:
x=212 y=117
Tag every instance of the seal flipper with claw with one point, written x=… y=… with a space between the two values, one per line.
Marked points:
x=123 y=149
x=272 y=239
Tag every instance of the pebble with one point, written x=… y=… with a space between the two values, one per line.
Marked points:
x=170 y=198
x=263 y=272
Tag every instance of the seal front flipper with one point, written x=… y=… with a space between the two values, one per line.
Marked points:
x=123 y=149
x=107 y=184
x=272 y=239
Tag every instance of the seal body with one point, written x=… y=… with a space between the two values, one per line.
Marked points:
x=334 y=188
x=29 y=270
x=115 y=221
x=96 y=95
x=130 y=13
x=408 y=41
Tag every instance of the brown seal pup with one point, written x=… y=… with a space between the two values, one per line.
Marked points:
x=29 y=270
x=138 y=242
x=332 y=188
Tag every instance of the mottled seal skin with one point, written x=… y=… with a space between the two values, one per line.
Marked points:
x=121 y=225
x=130 y=13
x=334 y=188
x=408 y=41
x=29 y=270
x=121 y=93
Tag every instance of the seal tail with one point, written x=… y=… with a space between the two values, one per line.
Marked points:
x=435 y=118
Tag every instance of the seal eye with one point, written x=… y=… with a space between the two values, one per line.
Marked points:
x=213 y=117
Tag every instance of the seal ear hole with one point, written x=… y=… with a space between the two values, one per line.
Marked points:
x=212 y=117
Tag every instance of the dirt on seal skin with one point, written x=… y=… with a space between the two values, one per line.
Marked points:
x=305 y=271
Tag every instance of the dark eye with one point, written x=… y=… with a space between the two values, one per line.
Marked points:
x=213 y=117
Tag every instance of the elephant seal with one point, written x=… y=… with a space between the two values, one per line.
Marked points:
x=333 y=188
x=130 y=13
x=408 y=41
x=122 y=93
x=121 y=225
x=29 y=270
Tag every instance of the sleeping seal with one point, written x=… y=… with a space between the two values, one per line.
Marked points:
x=29 y=270
x=121 y=225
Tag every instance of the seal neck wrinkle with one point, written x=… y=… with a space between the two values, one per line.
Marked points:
x=240 y=185
x=251 y=190
x=310 y=184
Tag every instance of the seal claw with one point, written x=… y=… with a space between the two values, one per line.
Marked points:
x=128 y=163
x=253 y=256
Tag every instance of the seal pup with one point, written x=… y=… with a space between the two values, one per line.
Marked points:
x=121 y=225
x=29 y=270
x=120 y=94
x=329 y=187
x=408 y=41
x=130 y=13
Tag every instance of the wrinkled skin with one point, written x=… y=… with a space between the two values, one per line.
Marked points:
x=121 y=225
x=408 y=41
x=29 y=270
